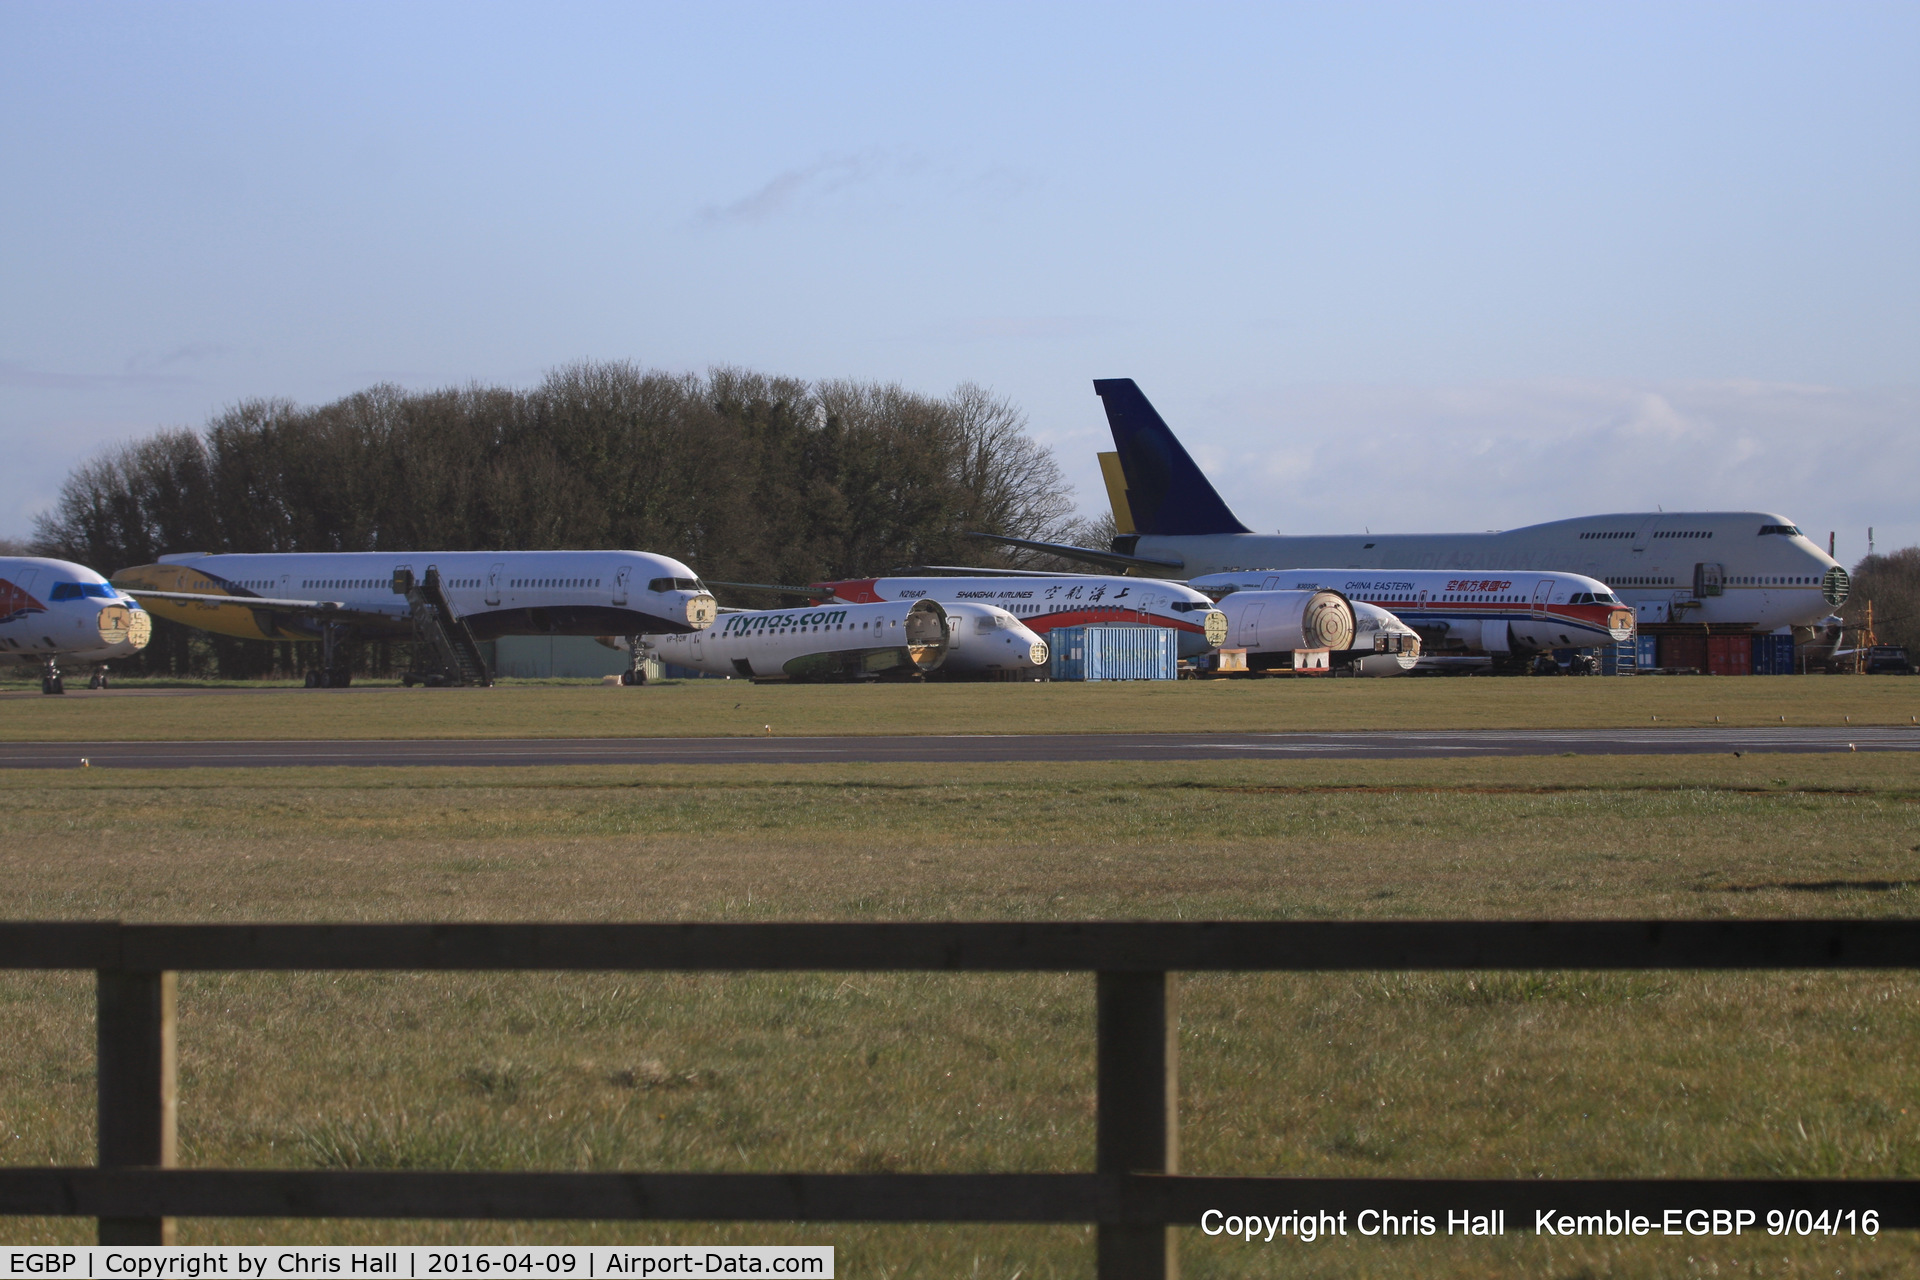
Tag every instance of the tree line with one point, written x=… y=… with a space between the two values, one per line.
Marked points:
x=1891 y=583
x=744 y=476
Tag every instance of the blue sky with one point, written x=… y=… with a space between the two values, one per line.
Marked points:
x=1401 y=266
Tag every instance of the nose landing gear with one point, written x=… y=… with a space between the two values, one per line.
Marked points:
x=636 y=672
x=50 y=681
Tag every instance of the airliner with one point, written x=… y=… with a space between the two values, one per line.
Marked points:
x=1747 y=570
x=334 y=596
x=1044 y=602
x=54 y=609
x=1510 y=613
x=888 y=641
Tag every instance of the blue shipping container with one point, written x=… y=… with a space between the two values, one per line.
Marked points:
x=1619 y=659
x=1114 y=653
x=1649 y=652
x=1773 y=655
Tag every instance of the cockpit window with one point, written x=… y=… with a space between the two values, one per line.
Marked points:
x=75 y=590
x=1789 y=530
x=675 y=584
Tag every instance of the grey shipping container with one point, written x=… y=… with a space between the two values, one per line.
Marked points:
x=1114 y=653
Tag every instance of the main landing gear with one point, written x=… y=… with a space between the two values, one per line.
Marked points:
x=99 y=679
x=336 y=667
x=50 y=681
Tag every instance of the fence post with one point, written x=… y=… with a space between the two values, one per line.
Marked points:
x=1137 y=1124
x=135 y=1062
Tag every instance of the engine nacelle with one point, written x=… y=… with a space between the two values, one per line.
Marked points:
x=1282 y=621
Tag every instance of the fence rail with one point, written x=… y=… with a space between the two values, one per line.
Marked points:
x=1134 y=1194
x=1103 y=946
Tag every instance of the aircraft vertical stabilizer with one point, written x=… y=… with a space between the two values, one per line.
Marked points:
x=1166 y=493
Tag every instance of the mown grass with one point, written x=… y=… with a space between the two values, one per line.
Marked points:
x=705 y=708
x=1467 y=1074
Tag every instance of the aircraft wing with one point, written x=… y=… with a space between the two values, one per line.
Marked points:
x=1106 y=559
x=330 y=610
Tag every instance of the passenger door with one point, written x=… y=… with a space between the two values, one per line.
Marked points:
x=1709 y=580
x=620 y=584
x=493 y=583
x=1542 y=593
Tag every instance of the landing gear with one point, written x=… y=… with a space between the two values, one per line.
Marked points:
x=636 y=672
x=50 y=681
x=336 y=669
x=99 y=680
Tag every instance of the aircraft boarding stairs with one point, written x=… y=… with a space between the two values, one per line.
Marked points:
x=439 y=631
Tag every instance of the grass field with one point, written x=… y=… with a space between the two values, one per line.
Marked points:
x=736 y=707
x=1514 y=1075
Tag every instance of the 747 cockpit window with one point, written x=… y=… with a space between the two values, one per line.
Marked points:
x=675 y=584
x=1790 y=530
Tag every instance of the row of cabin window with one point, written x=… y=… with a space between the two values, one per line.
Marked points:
x=554 y=582
x=1671 y=533
x=353 y=584
x=1785 y=530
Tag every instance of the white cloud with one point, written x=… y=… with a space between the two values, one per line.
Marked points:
x=793 y=187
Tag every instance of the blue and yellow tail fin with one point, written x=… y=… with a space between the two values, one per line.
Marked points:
x=1165 y=491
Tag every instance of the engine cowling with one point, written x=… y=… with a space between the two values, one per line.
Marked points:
x=1282 y=621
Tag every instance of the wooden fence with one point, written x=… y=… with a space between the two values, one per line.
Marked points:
x=1134 y=1195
